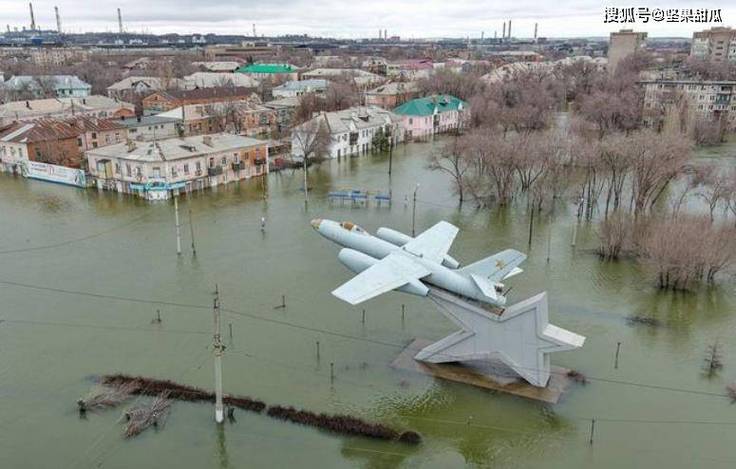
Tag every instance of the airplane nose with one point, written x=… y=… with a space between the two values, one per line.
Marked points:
x=315 y=223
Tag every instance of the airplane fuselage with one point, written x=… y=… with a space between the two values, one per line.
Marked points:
x=374 y=249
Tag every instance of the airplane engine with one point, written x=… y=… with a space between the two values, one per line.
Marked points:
x=355 y=261
x=398 y=238
x=392 y=236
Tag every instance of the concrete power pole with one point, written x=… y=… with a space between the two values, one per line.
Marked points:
x=33 y=18
x=58 y=20
x=176 y=218
x=120 y=21
x=219 y=349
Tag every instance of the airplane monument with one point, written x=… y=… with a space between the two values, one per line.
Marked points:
x=518 y=336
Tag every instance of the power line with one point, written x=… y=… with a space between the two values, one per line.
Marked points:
x=333 y=333
x=100 y=326
x=75 y=240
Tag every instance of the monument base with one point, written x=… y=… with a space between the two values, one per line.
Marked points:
x=489 y=376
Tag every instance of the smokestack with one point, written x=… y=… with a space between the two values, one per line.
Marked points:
x=503 y=36
x=385 y=34
x=482 y=33
x=254 y=30
x=509 y=29
x=33 y=18
x=535 y=30
x=495 y=34
x=120 y=21
x=58 y=20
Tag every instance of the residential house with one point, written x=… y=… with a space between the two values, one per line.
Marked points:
x=215 y=80
x=422 y=118
x=352 y=131
x=391 y=94
x=410 y=69
x=161 y=101
x=218 y=66
x=145 y=128
x=361 y=78
x=45 y=141
x=135 y=86
x=245 y=117
x=270 y=72
x=285 y=109
x=38 y=86
x=707 y=100
x=95 y=132
x=292 y=89
x=154 y=169
x=93 y=106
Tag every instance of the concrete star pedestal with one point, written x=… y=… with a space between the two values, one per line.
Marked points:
x=505 y=351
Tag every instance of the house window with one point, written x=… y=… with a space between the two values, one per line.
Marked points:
x=127 y=170
x=224 y=161
x=156 y=172
x=199 y=166
x=186 y=168
x=117 y=168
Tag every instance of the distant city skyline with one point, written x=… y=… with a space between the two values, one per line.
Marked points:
x=332 y=18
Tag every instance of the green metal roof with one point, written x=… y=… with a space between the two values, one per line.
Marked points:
x=425 y=106
x=266 y=68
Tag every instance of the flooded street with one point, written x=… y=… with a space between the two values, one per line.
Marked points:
x=82 y=274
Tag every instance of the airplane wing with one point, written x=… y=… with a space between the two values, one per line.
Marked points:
x=434 y=243
x=391 y=272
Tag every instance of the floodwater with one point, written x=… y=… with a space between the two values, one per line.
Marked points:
x=73 y=261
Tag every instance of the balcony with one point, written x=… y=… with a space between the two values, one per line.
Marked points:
x=260 y=161
x=214 y=170
x=238 y=165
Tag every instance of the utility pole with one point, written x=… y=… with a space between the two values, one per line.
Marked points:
x=191 y=230
x=414 y=212
x=219 y=349
x=390 y=153
x=178 y=226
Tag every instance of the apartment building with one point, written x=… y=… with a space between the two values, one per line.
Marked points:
x=422 y=118
x=351 y=130
x=153 y=170
x=622 y=44
x=715 y=44
x=709 y=100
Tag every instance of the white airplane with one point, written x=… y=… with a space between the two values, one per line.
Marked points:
x=406 y=264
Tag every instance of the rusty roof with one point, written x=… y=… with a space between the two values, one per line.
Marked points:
x=41 y=130
x=93 y=124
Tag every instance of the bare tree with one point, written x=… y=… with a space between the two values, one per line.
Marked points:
x=310 y=140
x=451 y=159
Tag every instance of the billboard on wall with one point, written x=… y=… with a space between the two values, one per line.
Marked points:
x=54 y=173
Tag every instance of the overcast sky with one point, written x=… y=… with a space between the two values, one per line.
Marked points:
x=352 y=18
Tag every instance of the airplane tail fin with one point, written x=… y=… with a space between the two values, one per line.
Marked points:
x=498 y=266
